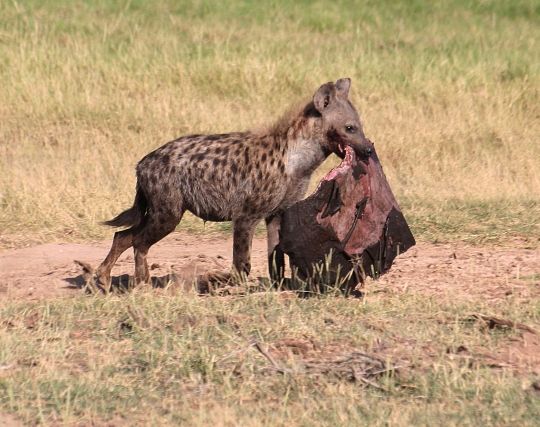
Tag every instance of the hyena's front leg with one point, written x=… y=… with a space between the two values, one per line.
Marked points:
x=243 y=235
x=276 y=257
x=244 y=228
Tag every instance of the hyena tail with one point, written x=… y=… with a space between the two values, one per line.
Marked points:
x=132 y=216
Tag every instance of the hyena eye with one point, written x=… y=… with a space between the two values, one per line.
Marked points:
x=350 y=129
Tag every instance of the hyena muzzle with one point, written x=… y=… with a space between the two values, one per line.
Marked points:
x=241 y=177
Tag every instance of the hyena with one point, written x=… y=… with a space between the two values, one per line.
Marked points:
x=242 y=177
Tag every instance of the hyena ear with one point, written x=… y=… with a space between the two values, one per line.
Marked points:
x=342 y=87
x=324 y=97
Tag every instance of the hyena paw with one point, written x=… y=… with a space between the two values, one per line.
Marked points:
x=92 y=280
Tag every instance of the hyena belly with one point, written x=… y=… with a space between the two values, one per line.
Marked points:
x=213 y=199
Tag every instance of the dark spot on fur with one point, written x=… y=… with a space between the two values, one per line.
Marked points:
x=213 y=137
x=234 y=168
x=281 y=167
x=263 y=157
x=327 y=151
x=333 y=135
x=216 y=162
x=197 y=157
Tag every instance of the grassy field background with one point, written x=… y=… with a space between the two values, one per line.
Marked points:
x=449 y=92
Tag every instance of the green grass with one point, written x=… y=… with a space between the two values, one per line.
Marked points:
x=447 y=90
x=154 y=359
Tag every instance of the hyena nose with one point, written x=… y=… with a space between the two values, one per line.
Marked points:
x=364 y=149
x=369 y=148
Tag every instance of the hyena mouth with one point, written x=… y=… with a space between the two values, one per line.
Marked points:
x=345 y=164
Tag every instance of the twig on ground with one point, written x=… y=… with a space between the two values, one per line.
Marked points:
x=493 y=322
x=269 y=357
x=366 y=381
x=355 y=366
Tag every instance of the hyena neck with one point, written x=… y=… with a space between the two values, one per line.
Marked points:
x=303 y=156
x=300 y=137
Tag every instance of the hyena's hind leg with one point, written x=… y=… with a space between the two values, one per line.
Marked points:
x=159 y=223
x=122 y=240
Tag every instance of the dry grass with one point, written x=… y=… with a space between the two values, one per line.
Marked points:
x=449 y=94
x=449 y=91
x=152 y=358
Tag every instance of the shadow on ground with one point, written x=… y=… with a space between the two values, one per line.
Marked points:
x=122 y=283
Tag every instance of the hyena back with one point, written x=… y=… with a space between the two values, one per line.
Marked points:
x=240 y=177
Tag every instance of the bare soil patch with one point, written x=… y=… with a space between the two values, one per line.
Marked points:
x=452 y=270
x=49 y=271
x=9 y=421
x=458 y=270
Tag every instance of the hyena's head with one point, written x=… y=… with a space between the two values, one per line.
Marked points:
x=341 y=126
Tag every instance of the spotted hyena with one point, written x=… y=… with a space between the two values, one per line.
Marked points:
x=242 y=177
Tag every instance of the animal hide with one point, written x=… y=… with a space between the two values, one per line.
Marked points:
x=349 y=228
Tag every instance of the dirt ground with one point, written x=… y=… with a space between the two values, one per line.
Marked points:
x=49 y=270
x=453 y=269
